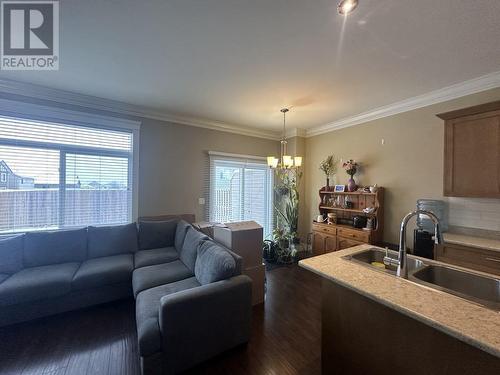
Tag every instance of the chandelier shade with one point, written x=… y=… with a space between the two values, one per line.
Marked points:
x=284 y=161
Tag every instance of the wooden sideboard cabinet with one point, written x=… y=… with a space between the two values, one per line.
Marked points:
x=333 y=237
x=483 y=260
x=472 y=151
x=324 y=243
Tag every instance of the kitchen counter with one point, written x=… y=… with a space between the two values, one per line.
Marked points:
x=472 y=241
x=461 y=319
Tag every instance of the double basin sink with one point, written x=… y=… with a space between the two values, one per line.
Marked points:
x=471 y=286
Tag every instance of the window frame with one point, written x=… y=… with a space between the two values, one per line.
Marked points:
x=3 y=176
x=27 y=111
x=238 y=159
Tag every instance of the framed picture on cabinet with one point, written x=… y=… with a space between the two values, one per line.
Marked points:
x=339 y=188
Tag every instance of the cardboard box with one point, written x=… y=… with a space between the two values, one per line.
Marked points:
x=244 y=238
x=206 y=227
x=258 y=276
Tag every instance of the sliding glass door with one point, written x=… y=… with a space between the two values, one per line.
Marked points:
x=240 y=190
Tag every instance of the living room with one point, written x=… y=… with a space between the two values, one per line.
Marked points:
x=249 y=187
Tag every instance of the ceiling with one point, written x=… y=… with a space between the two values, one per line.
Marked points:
x=240 y=61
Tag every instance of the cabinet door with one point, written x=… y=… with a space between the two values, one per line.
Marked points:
x=318 y=243
x=472 y=156
x=477 y=259
x=330 y=244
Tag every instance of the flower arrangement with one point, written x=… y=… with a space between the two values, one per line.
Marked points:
x=351 y=167
x=329 y=166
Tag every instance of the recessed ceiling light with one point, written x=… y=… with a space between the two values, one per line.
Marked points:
x=347 y=6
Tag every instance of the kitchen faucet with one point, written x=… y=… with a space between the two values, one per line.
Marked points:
x=401 y=262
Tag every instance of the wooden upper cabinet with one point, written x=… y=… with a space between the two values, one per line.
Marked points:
x=472 y=151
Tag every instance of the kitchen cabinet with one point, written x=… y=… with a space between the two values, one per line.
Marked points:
x=483 y=260
x=358 y=334
x=472 y=151
x=330 y=244
x=323 y=242
x=328 y=238
x=318 y=243
x=341 y=235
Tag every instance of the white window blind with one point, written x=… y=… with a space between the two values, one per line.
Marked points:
x=58 y=175
x=241 y=188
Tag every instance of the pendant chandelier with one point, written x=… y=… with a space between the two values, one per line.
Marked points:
x=284 y=162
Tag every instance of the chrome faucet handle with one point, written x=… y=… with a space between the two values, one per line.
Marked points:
x=388 y=261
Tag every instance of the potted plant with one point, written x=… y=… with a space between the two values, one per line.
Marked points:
x=270 y=249
x=351 y=167
x=329 y=168
x=287 y=208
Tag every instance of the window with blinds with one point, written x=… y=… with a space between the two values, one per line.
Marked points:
x=241 y=189
x=59 y=176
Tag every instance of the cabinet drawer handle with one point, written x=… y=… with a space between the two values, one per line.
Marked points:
x=493 y=259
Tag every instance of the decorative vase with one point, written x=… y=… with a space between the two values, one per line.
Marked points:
x=351 y=185
x=327 y=188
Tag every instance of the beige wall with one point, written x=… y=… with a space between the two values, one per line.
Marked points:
x=173 y=159
x=409 y=165
x=173 y=164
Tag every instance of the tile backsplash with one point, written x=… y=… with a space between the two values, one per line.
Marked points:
x=482 y=213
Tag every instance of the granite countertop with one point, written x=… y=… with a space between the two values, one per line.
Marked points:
x=472 y=241
x=464 y=320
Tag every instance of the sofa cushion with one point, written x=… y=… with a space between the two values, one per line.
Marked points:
x=145 y=258
x=112 y=240
x=148 y=277
x=213 y=263
x=189 y=250
x=11 y=254
x=180 y=234
x=238 y=260
x=103 y=271
x=156 y=234
x=37 y=283
x=147 y=312
x=62 y=246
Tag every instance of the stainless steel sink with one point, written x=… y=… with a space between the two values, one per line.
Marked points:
x=374 y=255
x=471 y=286
x=474 y=287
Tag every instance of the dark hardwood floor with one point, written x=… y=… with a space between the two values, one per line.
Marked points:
x=286 y=337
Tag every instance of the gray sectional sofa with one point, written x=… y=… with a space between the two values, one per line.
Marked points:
x=192 y=302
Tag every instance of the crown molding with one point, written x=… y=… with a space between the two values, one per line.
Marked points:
x=16 y=109
x=475 y=85
x=118 y=108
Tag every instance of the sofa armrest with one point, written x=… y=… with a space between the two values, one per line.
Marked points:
x=199 y=323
